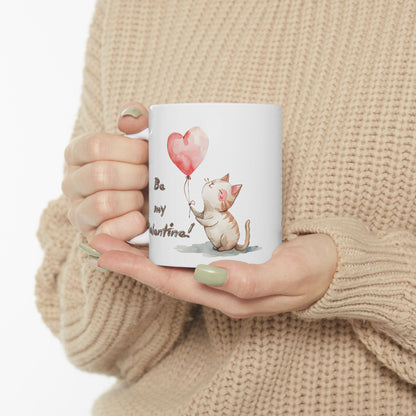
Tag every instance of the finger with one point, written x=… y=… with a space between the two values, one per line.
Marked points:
x=174 y=282
x=178 y=283
x=134 y=117
x=67 y=186
x=100 y=176
x=249 y=281
x=123 y=227
x=104 y=146
x=105 y=205
x=105 y=243
x=243 y=280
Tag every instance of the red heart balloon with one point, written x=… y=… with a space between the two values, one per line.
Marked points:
x=188 y=151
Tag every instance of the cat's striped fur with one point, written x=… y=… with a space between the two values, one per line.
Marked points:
x=220 y=226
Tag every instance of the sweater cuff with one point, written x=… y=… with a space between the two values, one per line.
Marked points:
x=373 y=280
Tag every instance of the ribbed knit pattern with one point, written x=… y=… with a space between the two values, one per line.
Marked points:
x=345 y=74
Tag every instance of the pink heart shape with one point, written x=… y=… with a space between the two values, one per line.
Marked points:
x=188 y=151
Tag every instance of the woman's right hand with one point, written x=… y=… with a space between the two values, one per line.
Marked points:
x=106 y=179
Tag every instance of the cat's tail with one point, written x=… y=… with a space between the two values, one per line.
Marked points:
x=247 y=240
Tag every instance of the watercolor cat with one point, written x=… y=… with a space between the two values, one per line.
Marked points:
x=220 y=226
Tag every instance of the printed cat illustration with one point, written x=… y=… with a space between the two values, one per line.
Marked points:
x=220 y=226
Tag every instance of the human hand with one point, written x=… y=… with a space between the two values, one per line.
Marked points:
x=298 y=274
x=106 y=179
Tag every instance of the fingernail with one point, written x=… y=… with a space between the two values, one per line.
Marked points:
x=93 y=262
x=88 y=249
x=210 y=275
x=131 y=111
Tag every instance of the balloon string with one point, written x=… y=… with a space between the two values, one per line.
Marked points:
x=187 y=196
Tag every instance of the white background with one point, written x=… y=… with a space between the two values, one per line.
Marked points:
x=42 y=46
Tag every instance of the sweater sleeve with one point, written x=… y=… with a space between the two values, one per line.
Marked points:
x=374 y=287
x=107 y=323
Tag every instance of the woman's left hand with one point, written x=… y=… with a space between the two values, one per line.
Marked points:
x=298 y=274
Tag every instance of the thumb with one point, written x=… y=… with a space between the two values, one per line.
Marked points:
x=244 y=280
x=133 y=118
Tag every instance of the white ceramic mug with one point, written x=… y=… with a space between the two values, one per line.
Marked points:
x=215 y=183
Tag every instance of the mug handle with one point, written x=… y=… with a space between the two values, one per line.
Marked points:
x=141 y=239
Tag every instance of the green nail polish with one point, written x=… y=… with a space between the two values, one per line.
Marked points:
x=100 y=269
x=92 y=261
x=89 y=250
x=210 y=275
x=131 y=111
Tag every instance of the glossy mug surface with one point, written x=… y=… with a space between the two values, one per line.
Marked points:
x=215 y=183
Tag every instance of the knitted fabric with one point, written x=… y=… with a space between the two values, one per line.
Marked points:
x=345 y=75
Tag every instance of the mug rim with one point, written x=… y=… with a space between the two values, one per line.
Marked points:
x=216 y=104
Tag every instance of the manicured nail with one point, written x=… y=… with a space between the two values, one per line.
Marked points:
x=88 y=249
x=210 y=275
x=93 y=262
x=131 y=111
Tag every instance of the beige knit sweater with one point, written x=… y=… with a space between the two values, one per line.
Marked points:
x=345 y=74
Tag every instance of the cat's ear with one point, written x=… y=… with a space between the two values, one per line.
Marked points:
x=235 y=189
x=226 y=178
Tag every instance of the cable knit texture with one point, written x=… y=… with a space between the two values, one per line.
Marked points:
x=345 y=74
